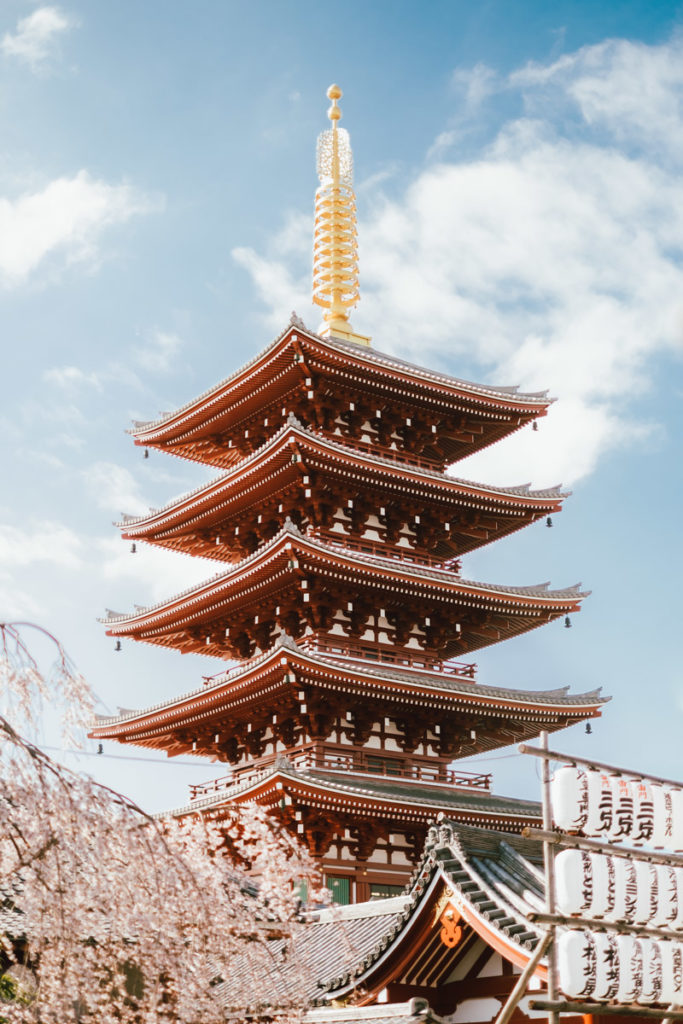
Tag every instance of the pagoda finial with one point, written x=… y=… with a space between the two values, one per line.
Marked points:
x=335 y=249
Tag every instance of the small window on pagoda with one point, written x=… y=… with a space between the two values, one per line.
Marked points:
x=340 y=889
x=384 y=765
x=379 y=891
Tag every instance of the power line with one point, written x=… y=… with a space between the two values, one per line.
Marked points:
x=202 y=764
x=126 y=757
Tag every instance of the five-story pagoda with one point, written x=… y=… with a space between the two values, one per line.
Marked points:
x=340 y=594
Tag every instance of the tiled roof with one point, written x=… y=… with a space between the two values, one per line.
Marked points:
x=411 y=793
x=560 y=697
x=368 y=355
x=323 y=949
x=408 y=793
x=417 y=572
x=520 y=490
x=497 y=875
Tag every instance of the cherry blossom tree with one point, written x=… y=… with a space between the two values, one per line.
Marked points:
x=110 y=915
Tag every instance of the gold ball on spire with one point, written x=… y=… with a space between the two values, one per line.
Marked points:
x=334 y=93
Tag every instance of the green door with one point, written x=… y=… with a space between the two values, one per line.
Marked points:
x=340 y=889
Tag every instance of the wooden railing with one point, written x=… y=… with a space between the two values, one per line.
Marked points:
x=379 y=653
x=392 y=454
x=382 y=549
x=385 y=655
x=353 y=762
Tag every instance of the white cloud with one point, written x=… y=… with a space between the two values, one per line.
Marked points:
x=159 y=351
x=71 y=377
x=36 y=36
x=115 y=489
x=632 y=89
x=42 y=541
x=476 y=84
x=16 y=603
x=553 y=259
x=65 y=219
x=276 y=284
x=156 y=573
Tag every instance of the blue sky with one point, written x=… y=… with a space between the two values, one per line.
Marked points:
x=519 y=174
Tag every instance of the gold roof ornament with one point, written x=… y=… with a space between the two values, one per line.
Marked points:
x=335 y=248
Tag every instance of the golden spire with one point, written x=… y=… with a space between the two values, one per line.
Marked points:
x=335 y=249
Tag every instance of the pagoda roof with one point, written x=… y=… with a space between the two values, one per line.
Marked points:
x=406 y=801
x=270 y=565
x=242 y=486
x=229 y=689
x=493 y=880
x=276 y=370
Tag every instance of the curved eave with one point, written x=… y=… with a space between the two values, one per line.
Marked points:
x=415 y=803
x=238 y=687
x=205 y=504
x=434 y=886
x=364 y=569
x=268 y=364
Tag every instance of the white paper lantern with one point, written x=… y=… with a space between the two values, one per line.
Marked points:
x=577 y=964
x=670 y=951
x=629 y=889
x=647 y=896
x=600 y=817
x=643 y=813
x=574 y=882
x=630 y=969
x=677 y=957
x=677 y=814
x=569 y=798
x=606 y=966
x=667 y=894
x=622 y=818
x=677 y=924
x=651 y=991
x=604 y=882
x=663 y=837
x=624 y=872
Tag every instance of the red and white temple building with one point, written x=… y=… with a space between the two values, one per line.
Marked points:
x=338 y=529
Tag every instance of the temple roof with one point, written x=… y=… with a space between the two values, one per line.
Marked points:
x=373 y=797
x=356 y=354
x=285 y=365
x=207 y=700
x=289 y=552
x=496 y=880
x=241 y=486
x=491 y=879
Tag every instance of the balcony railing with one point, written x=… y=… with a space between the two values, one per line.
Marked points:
x=392 y=454
x=385 y=655
x=380 y=549
x=353 y=762
x=379 y=653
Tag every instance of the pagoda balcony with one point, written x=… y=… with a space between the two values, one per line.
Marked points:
x=381 y=549
x=338 y=761
x=385 y=654
x=401 y=456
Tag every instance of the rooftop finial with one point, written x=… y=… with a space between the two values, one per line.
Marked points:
x=335 y=250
